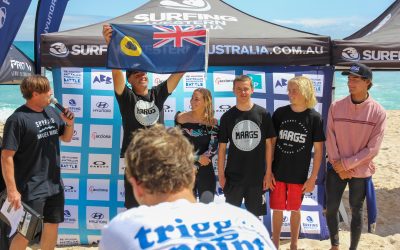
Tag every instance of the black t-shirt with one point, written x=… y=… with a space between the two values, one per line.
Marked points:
x=141 y=111
x=34 y=136
x=203 y=138
x=246 y=132
x=297 y=132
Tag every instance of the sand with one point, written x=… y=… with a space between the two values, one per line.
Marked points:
x=387 y=184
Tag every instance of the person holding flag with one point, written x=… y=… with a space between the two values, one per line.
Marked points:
x=140 y=106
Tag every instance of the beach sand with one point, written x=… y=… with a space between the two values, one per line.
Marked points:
x=387 y=184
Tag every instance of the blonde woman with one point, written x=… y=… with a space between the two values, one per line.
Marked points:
x=201 y=128
x=299 y=128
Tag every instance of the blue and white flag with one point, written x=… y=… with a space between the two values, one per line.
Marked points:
x=158 y=49
x=48 y=19
x=12 y=14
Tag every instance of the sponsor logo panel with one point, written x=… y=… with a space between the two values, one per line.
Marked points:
x=72 y=78
x=260 y=102
x=93 y=239
x=310 y=222
x=74 y=103
x=159 y=78
x=101 y=79
x=71 y=188
x=98 y=189
x=100 y=136
x=99 y=164
x=311 y=199
x=258 y=79
x=97 y=217
x=76 y=140
x=280 y=81
x=223 y=80
x=318 y=82
x=121 y=166
x=194 y=80
x=68 y=240
x=70 y=162
x=102 y=107
x=121 y=191
x=71 y=219
x=170 y=108
x=223 y=104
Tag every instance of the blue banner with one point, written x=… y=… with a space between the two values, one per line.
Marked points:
x=159 y=49
x=49 y=14
x=93 y=172
x=11 y=15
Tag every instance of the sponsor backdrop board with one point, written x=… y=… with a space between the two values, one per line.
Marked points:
x=92 y=170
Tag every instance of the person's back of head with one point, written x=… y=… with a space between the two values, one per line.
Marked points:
x=161 y=160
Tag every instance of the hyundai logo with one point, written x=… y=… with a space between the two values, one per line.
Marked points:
x=58 y=50
x=72 y=102
x=97 y=216
x=75 y=132
x=67 y=213
x=3 y=16
x=285 y=219
x=68 y=187
x=224 y=106
x=102 y=105
x=309 y=219
x=99 y=163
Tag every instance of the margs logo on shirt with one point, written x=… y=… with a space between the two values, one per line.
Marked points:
x=47 y=127
x=292 y=137
x=246 y=135
x=146 y=113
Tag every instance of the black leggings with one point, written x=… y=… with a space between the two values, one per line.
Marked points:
x=334 y=191
x=205 y=184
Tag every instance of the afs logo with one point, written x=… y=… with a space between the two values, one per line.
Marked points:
x=281 y=83
x=102 y=105
x=350 y=54
x=97 y=216
x=130 y=47
x=3 y=16
x=102 y=79
x=58 y=50
x=197 y=5
x=68 y=188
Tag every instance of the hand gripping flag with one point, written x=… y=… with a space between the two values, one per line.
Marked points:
x=158 y=49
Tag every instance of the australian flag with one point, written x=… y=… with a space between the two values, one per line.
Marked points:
x=158 y=49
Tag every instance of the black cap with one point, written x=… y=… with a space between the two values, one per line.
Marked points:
x=131 y=72
x=359 y=69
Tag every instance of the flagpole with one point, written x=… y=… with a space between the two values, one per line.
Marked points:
x=36 y=40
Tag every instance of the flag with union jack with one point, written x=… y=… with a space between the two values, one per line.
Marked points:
x=158 y=49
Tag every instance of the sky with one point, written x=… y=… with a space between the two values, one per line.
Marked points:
x=335 y=18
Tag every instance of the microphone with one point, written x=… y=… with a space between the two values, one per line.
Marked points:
x=54 y=101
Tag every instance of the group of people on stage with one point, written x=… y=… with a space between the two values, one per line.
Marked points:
x=256 y=152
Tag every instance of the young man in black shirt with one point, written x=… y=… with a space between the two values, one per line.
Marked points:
x=30 y=158
x=299 y=128
x=140 y=107
x=249 y=129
